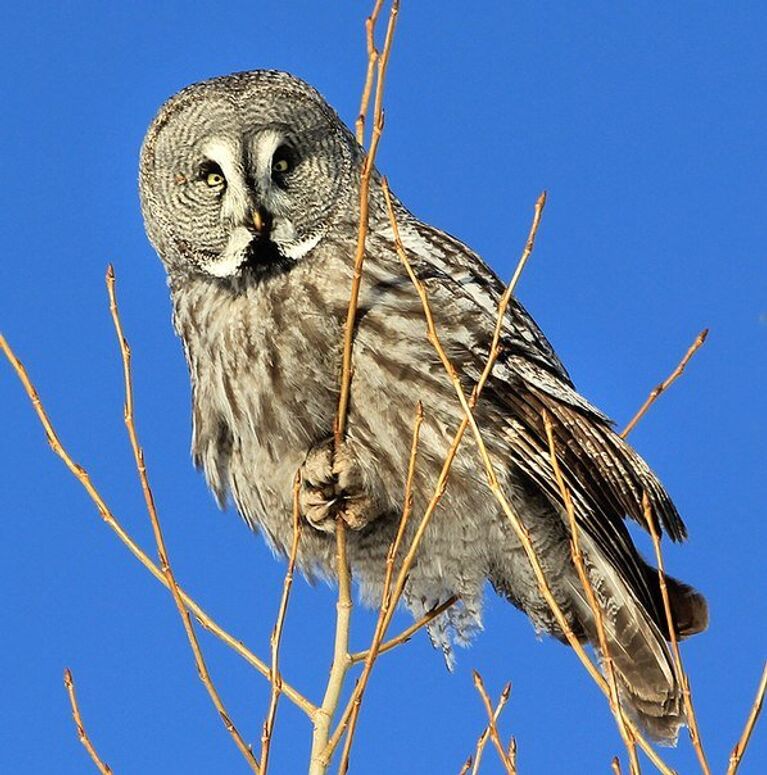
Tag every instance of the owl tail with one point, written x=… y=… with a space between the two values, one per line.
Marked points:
x=649 y=687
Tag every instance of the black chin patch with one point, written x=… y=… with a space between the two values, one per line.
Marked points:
x=264 y=258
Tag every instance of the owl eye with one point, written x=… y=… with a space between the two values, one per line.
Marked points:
x=282 y=161
x=213 y=176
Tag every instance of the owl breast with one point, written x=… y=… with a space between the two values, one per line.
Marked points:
x=262 y=390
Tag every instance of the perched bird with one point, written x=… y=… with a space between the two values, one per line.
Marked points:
x=250 y=194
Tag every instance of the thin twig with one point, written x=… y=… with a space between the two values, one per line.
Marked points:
x=580 y=566
x=69 y=682
x=491 y=725
x=692 y=721
x=615 y=765
x=388 y=604
x=109 y=518
x=666 y=384
x=359 y=256
x=466 y=767
x=408 y=632
x=756 y=709
x=162 y=551
x=485 y=736
x=276 y=637
x=518 y=526
x=370 y=25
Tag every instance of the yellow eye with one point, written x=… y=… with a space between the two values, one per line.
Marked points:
x=281 y=165
x=215 y=179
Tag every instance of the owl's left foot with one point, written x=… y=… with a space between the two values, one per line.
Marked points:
x=332 y=486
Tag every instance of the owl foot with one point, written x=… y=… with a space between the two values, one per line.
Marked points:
x=331 y=487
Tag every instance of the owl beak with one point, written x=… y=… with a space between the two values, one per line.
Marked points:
x=262 y=222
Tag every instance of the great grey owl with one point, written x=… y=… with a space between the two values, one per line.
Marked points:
x=250 y=194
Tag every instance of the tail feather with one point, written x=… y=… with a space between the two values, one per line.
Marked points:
x=649 y=686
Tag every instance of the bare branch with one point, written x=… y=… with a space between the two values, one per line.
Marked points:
x=324 y=716
x=109 y=518
x=69 y=682
x=519 y=528
x=491 y=726
x=756 y=709
x=276 y=637
x=408 y=632
x=692 y=721
x=666 y=384
x=162 y=551
x=580 y=566
x=485 y=736
x=370 y=25
x=359 y=257
x=386 y=609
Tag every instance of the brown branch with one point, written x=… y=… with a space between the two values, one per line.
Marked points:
x=69 y=682
x=666 y=384
x=520 y=529
x=756 y=709
x=386 y=609
x=370 y=25
x=276 y=637
x=109 y=518
x=408 y=632
x=692 y=721
x=359 y=256
x=162 y=551
x=485 y=736
x=615 y=765
x=580 y=566
x=491 y=725
x=466 y=767
x=340 y=666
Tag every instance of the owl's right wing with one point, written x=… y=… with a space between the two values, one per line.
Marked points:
x=604 y=474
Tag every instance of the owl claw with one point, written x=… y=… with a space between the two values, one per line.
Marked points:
x=331 y=487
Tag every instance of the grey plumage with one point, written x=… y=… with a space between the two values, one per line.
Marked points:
x=249 y=188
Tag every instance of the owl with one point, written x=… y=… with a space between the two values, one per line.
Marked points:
x=249 y=189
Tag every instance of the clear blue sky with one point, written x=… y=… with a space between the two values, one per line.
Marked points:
x=646 y=124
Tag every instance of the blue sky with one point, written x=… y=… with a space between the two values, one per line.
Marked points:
x=645 y=122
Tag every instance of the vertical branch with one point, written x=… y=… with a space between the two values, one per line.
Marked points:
x=341 y=662
x=370 y=25
x=367 y=169
x=276 y=637
x=324 y=716
x=82 y=735
x=580 y=566
x=742 y=744
x=666 y=384
x=162 y=552
x=692 y=721
x=387 y=603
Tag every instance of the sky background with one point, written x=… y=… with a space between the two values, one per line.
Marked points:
x=645 y=123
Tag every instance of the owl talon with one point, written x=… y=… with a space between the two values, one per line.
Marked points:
x=331 y=487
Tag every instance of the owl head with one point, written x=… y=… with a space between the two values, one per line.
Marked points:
x=243 y=170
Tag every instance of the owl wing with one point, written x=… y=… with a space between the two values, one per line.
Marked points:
x=604 y=474
x=476 y=281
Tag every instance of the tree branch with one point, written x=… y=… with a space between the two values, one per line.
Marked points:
x=162 y=551
x=69 y=682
